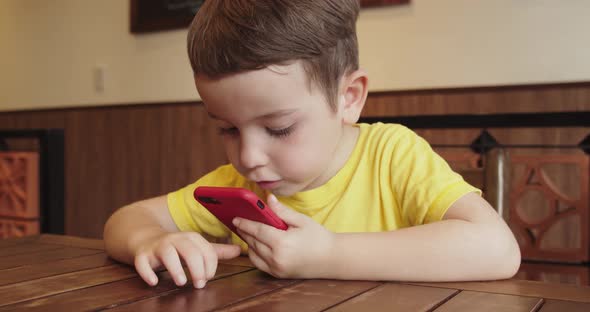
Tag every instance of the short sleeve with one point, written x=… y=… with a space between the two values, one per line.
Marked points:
x=424 y=184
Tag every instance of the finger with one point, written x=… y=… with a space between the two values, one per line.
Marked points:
x=266 y=234
x=191 y=254
x=261 y=249
x=246 y=238
x=290 y=216
x=211 y=257
x=225 y=251
x=210 y=260
x=169 y=257
x=257 y=261
x=212 y=253
x=145 y=271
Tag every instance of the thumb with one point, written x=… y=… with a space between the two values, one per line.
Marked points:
x=290 y=216
x=225 y=251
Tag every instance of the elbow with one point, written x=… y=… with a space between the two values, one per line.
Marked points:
x=107 y=234
x=108 y=226
x=509 y=258
x=512 y=263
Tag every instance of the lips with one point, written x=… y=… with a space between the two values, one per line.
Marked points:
x=267 y=185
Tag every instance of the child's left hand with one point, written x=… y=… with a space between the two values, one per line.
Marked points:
x=298 y=252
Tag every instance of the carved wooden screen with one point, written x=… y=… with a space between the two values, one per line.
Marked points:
x=19 y=194
x=541 y=203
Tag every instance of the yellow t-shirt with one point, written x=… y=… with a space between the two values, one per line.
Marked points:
x=392 y=180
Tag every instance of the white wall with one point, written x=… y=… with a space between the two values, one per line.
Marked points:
x=49 y=49
x=455 y=43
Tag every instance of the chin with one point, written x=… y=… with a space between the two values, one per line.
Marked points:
x=282 y=193
x=285 y=191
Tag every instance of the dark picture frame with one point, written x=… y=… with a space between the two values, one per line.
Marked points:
x=375 y=3
x=159 y=15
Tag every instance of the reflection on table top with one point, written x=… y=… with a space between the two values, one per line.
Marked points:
x=59 y=273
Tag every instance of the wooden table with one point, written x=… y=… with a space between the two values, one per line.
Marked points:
x=64 y=273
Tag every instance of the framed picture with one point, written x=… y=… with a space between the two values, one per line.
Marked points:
x=158 y=15
x=374 y=3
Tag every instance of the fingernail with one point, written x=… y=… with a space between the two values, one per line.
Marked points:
x=182 y=280
x=236 y=221
x=273 y=198
x=201 y=283
x=154 y=281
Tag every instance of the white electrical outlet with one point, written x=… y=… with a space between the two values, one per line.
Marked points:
x=99 y=76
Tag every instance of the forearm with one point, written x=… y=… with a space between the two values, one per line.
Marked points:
x=449 y=250
x=127 y=229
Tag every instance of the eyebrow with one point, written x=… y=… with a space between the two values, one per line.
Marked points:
x=278 y=113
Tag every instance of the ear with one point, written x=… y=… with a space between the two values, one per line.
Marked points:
x=353 y=95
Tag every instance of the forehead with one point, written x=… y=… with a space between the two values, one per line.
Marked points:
x=257 y=80
x=252 y=94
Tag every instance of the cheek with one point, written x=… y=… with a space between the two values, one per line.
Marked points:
x=302 y=156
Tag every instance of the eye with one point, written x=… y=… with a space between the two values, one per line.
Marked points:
x=231 y=131
x=280 y=133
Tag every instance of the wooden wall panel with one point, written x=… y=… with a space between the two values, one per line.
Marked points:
x=127 y=154
x=116 y=155
x=540 y=98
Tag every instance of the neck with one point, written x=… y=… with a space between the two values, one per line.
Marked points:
x=342 y=153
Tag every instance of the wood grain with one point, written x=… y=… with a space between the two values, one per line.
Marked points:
x=43 y=287
x=30 y=272
x=522 y=288
x=217 y=294
x=20 y=249
x=93 y=282
x=516 y=99
x=397 y=297
x=564 y=306
x=44 y=257
x=71 y=241
x=112 y=294
x=135 y=152
x=555 y=273
x=313 y=295
x=484 y=302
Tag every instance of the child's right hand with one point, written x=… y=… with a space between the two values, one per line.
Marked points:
x=169 y=249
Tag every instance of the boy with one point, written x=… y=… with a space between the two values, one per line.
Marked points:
x=363 y=202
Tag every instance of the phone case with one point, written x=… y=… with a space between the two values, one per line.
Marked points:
x=226 y=203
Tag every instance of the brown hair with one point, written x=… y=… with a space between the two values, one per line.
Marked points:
x=230 y=36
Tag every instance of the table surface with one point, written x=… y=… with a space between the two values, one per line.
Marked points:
x=65 y=273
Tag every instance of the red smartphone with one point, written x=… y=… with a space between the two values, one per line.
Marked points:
x=226 y=203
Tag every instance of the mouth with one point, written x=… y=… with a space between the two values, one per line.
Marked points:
x=268 y=185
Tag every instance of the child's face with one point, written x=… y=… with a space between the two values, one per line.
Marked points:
x=277 y=130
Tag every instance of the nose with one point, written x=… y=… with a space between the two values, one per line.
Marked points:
x=252 y=153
